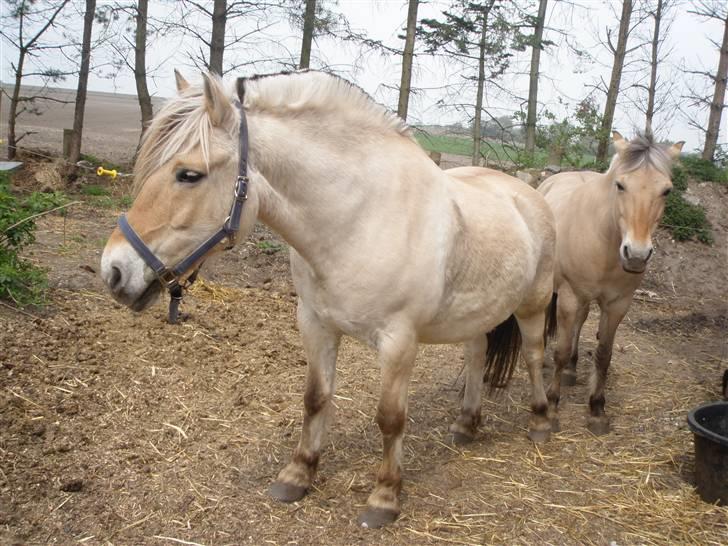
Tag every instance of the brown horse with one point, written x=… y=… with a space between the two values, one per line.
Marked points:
x=604 y=226
x=385 y=246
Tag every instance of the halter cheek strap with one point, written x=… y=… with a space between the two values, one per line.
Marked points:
x=170 y=278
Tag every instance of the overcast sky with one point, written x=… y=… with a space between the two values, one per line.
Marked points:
x=566 y=78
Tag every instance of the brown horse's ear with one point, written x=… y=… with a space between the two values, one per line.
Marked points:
x=182 y=84
x=217 y=103
x=620 y=143
x=675 y=149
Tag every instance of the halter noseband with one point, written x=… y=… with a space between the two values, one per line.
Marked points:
x=171 y=279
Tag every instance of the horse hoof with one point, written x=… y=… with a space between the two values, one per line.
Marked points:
x=568 y=378
x=461 y=439
x=598 y=427
x=539 y=436
x=286 y=492
x=374 y=518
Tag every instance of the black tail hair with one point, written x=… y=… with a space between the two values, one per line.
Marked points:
x=551 y=323
x=504 y=348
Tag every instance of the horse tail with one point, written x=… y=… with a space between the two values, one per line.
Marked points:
x=504 y=348
x=551 y=323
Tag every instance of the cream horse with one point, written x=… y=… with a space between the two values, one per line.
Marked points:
x=604 y=226
x=385 y=246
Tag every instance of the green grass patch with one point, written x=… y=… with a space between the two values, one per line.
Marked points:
x=704 y=170
x=685 y=220
x=94 y=189
x=21 y=281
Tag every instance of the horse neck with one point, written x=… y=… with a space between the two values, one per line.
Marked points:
x=315 y=186
x=605 y=217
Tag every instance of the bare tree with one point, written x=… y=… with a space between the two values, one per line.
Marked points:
x=619 y=53
x=27 y=23
x=533 y=78
x=309 y=22
x=652 y=88
x=473 y=31
x=76 y=138
x=140 y=64
x=217 y=36
x=719 y=12
x=407 y=57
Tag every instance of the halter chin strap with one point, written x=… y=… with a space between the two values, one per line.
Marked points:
x=171 y=279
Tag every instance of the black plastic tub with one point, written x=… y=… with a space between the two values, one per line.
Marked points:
x=709 y=424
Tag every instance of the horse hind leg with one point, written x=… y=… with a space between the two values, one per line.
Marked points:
x=531 y=326
x=566 y=311
x=396 y=358
x=466 y=425
x=321 y=345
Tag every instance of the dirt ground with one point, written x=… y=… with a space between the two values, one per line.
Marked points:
x=117 y=428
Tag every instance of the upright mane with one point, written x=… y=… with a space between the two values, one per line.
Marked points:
x=310 y=90
x=183 y=123
x=643 y=151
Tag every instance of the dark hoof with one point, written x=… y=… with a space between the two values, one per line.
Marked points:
x=374 y=518
x=598 y=427
x=539 y=436
x=568 y=378
x=461 y=439
x=285 y=492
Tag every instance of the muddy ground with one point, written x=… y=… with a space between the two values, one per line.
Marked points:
x=117 y=428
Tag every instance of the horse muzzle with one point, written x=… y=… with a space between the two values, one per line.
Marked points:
x=124 y=273
x=634 y=259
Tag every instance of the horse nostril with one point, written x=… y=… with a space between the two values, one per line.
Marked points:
x=625 y=250
x=649 y=254
x=115 y=281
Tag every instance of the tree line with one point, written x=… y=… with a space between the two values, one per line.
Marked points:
x=481 y=37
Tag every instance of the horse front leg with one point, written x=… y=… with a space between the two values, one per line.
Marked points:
x=396 y=359
x=466 y=425
x=321 y=344
x=568 y=377
x=612 y=315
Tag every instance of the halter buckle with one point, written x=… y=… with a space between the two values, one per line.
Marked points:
x=168 y=279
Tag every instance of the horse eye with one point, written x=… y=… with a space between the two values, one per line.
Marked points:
x=620 y=186
x=666 y=192
x=188 y=177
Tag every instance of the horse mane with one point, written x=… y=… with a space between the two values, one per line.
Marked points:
x=183 y=123
x=643 y=151
x=313 y=90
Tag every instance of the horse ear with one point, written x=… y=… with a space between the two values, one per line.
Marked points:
x=182 y=84
x=675 y=149
x=217 y=103
x=620 y=143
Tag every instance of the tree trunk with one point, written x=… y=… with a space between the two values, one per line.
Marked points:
x=407 y=56
x=309 y=22
x=650 y=113
x=533 y=85
x=88 y=21
x=614 y=82
x=481 y=85
x=217 y=41
x=716 y=107
x=140 y=66
x=14 y=101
